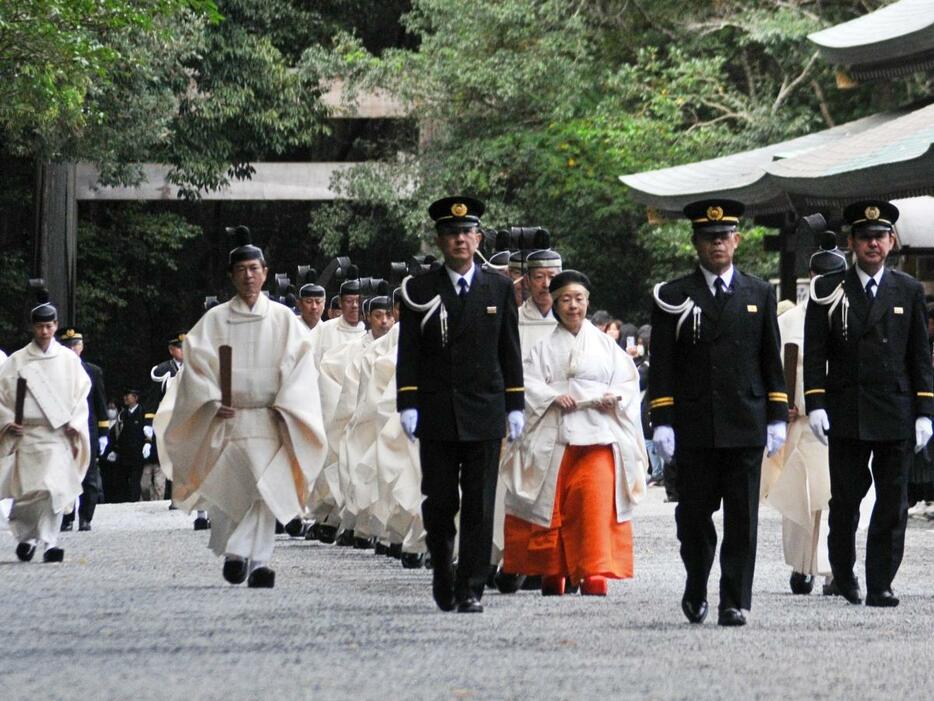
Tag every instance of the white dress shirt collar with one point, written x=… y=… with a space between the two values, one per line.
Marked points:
x=864 y=278
x=468 y=276
x=726 y=276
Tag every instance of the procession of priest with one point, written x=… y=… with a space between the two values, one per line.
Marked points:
x=478 y=419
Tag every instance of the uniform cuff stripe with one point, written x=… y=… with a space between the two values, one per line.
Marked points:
x=815 y=391
x=412 y=388
x=103 y=424
x=515 y=389
x=926 y=394
x=778 y=397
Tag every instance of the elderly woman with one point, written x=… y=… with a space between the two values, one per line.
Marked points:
x=580 y=466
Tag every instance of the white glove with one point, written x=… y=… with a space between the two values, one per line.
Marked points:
x=923 y=432
x=820 y=424
x=664 y=439
x=102 y=444
x=409 y=419
x=147 y=431
x=147 y=449
x=775 y=435
x=112 y=457
x=516 y=421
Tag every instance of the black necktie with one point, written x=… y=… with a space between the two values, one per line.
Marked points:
x=870 y=287
x=462 y=283
x=719 y=291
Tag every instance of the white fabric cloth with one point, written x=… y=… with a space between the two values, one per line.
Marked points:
x=358 y=447
x=33 y=520
x=274 y=447
x=337 y=384
x=44 y=458
x=253 y=538
x=796 y=480
x=332 y=334
x=586 y=366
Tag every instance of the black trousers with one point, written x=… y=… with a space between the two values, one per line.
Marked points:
x=460 y=475
x=707 y=476
x=849 y=483
x=91 y=488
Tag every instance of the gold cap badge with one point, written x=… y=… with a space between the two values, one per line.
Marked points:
x=70 y=333
x=715 y=213
x=872 y=213
x=458 y=209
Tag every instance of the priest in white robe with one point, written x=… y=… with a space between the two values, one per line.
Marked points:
x=536 y=322
x=796 y=480
x=311 y=299
x=577 y=472
x=329 y=343
x=46 y=455
x=251 y=462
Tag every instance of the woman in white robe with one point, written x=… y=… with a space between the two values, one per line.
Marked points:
x=577 y=472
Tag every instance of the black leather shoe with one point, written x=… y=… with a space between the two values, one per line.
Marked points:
x=25 y=551
x=731 y=617
x=851 y=593
x=68 y=525
x=801 y=583
x=362 y=543
x=311 y=533
x=395 y=550
x=262 y=578
x=507 y=582
x=469 y=605
x=532 y=583
x=84 y=525
x=884 y=599
x=381 y=549
x=235 y=571
x=412 y=561
x=295 y=528
x=345 y=539
x=53 y=555
x=695 y=613
x=442 y=587
x=326 y=534
x=202 y=524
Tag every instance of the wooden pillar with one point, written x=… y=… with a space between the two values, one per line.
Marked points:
x=55 y=250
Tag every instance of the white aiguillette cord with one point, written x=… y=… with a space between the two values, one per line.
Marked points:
x=685 y=309
x=836 y=298
x=430 y=307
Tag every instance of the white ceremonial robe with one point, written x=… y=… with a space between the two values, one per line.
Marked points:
x=262 y=462
x=337 y=383
x=586 y=366
x=533 y=327
x=42 y=470
x=333 y=333
x=796 y=480
x=358 y=447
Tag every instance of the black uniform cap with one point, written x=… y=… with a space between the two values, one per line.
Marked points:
x=454 y=213
x=177 y=339
x=44 y=311
x=70 y=336
x=245 y=249
x=311 y=290
x=716 y=216
x=877 y=215
x=828 y=259
x=132 y=390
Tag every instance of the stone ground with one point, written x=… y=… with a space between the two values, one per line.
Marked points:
x=139 y=611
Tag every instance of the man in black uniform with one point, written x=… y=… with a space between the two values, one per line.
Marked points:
x=717 y=396
x=125 y=449
x=459 y=372
x=91 y=486
x=867 y=381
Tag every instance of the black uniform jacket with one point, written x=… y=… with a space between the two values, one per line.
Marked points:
x=874 y=381
x=97 y=406
x=154 y=396
x=462 y=389
x=721 y=385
